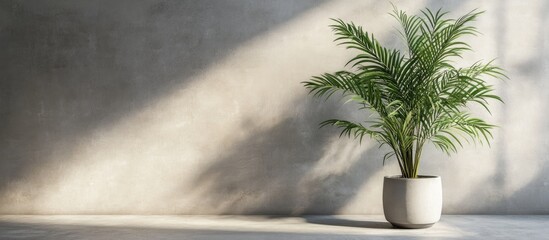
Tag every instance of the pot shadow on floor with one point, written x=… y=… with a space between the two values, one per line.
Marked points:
x=343 y=222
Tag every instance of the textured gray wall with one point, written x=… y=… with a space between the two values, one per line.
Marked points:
x=186 y=107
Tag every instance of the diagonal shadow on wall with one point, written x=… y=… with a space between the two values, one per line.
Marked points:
x=72 y=67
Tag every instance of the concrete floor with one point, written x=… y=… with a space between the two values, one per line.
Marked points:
x=266 y=227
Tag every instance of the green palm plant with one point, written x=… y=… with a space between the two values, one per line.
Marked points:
x=417 y=95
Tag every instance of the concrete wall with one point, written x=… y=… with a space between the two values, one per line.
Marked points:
x=196 y=107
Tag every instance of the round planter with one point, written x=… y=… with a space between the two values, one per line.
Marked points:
x=412 y=202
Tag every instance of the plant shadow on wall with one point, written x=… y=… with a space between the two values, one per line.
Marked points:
x=364 y=91
x=75 y=68
x=291 y=168
x=270 y=173
x=532 y=194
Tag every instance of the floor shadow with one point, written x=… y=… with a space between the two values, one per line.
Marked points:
x=455 y=227
x=337 y=221
x=47 y=231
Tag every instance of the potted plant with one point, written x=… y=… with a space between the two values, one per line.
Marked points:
x=417 y=96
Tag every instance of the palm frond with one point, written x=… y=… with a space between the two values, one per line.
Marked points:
x=350 y=129
x=419 y=96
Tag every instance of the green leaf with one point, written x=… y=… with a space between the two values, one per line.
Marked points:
x=415 y=96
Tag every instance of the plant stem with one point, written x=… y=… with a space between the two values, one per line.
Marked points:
x=419 y=148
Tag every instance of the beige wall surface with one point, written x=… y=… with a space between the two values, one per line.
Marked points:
x=196 y=107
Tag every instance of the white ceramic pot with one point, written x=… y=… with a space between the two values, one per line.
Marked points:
x=412 y=202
